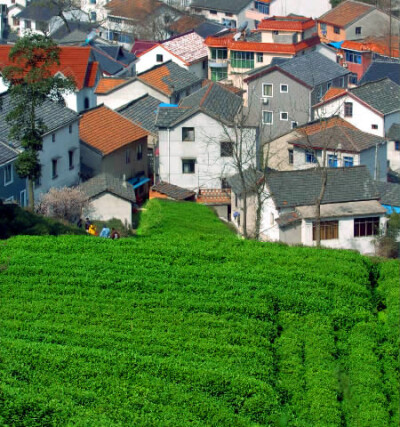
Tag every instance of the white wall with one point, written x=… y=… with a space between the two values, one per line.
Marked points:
x=313 y=9
x=108 y=206
x=269 y=229
x=393 y=156
x=210 y=166
x=64 y=141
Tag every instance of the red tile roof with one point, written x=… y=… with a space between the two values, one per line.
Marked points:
x=142 y=46
x=74 y=62
x=332 y=92
x=107 y=131
x=155 y=77
x=214 y=196
x=377 y=45
x=345 y=13
x=286 y=24
x=324 y=124
x=105 y=85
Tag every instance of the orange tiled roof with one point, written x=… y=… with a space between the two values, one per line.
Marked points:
x=107 y=131
x=285 y=24
x=377 y=45
x=332 y=92
x=74 y=62
x=105 y=85
x=345 y=13
x=133 y=9
x=324 y=124
x=245 y=46
x=155 y=79
x=214 y=196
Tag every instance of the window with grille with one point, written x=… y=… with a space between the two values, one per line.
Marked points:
x=187 y=134
x=226 y=149
x=328 y=230
x=366 y=226
x=188 y=165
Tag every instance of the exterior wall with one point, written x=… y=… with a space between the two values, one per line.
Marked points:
x=330 y=34
x=269 y=229
x=300 y=7
x=390 y=119
x=346 y=239
x=237 y=206
x=127 y=93
x=107 y=206
x=291 y=235
x=393 y=156
x=210 y=167
x=295 y=102
x=14 y=188
x=375 y=23
x=221 y=16
x=320 y=90
x=326 y=51
x=98 y=7
x=10 y=17
x=299 y=158
x=91 y=158
x=64 y=142
x=363 y=117
x=76 y=100
x=359 y=69
x=276 y=152
x=149 y=59
x=221 y=211
x=376 y=161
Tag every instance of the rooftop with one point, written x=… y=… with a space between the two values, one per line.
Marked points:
x=173 y=191
x=230 y=6
x=107 y=131
x=390 y=193
x=136 y=10
x=286 y=23
x=378 y=70
x=7 y=153
x=190 y=47
x=105 y=183
x=106 y=84
x=346 y=13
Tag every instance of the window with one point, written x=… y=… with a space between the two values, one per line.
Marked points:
x=342 y=82
x=187 y=134
x=319 y=92
x=284 y=88
x=293 y=124
x=8 y=174
x=348 y=109
x=188 y=165
x=92 y=1
x=336 y=30
x=275 y=33
x=358 y=30
x=219 y=53
x=139 y=152
x=38 y=180
x=93 y=16
x=28 y=24
x=229 y=15
x=353 y=57
x=218 y=74
x=213 y=12
x=86 y=103
x=70 y=128
x=242 y=59
x=127 y=156
x=374 y=126
x=159 y=57
x=267 y=117
x=290 y=152
x=260 y=57
x=267 y=90
x=353 y=79
x=22 y=198
x=204 y=65
x=328 y=230
x=348 y=161
x=54 y=168
x=366 y=226
x=71 y=159
x=328 y=85
x=310 y=157
x=397 y=145
x=284 y=115
x=332 y=161
x=53 y=137
x=226 y=149
x=261 y=7
x=224 y=183
x=15 y=21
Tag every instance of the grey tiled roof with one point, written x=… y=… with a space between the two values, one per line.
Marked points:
x=394 y=132
x=383 y=95
x=107 y=183
x=352 y=140
x=313 y=68
x=390 y=193
x=379 y=70
x=209 y=28
x=173 y=191
x=112 y=59
x=302 y=187
x=142 y=111
x=7 y=153
x=52 y=114
x=37 y=11
x=251 y=179
x=231 y=6
x=212 y=99
x=75 y=28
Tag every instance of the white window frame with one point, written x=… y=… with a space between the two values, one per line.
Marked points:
x=272 y=117
x=272 y=90
x=22 y=198
x=283 y=91
x=11 y=180
x=280 y=116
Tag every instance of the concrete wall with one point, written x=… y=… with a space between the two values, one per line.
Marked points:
x=320 y=90
x=12 y=190
x=375 y=23
x=276 y=152
x=376 y=162
x=393 y=156
x=291 y=234
x=76 y=100
x=300 y=7
x=238 y=206
x=108 y=206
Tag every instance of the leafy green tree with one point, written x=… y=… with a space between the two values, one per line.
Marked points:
x=31 y=80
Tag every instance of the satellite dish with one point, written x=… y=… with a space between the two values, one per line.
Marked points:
x=236 y=37
x=243 y=26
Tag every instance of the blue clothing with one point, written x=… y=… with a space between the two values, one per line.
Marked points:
x=105 y=232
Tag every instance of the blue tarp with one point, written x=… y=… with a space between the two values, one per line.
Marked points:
x=164 y=104
x=337 y=45
x=138 y=181
x=391 y=209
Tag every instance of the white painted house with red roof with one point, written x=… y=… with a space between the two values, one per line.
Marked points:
x=186 y=50
x=75 y=62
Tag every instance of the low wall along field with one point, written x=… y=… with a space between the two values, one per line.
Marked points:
x=186 y=324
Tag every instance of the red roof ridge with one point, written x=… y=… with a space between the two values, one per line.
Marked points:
x=206 y=94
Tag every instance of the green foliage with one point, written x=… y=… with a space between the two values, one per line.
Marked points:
x=189 y=325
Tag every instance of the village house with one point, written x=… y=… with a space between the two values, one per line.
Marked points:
x=354 y=20
x=186 y=50
x=112 y=144
x=167 y=82
x=380 y=69
x=197 y=145
x=60 y=153
x=351 y=215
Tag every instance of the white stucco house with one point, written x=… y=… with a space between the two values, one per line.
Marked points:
x=372 y=107
x=197 y=148
x=351 y=215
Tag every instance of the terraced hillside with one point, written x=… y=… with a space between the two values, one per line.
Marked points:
x=188 y=325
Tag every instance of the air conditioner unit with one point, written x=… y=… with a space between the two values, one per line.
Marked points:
x=265 y=101
x=344 y=65
x=339 y=55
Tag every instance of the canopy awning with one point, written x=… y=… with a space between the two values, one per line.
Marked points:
x=137 y=182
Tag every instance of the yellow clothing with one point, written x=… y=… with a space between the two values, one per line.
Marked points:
x=92 y=230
